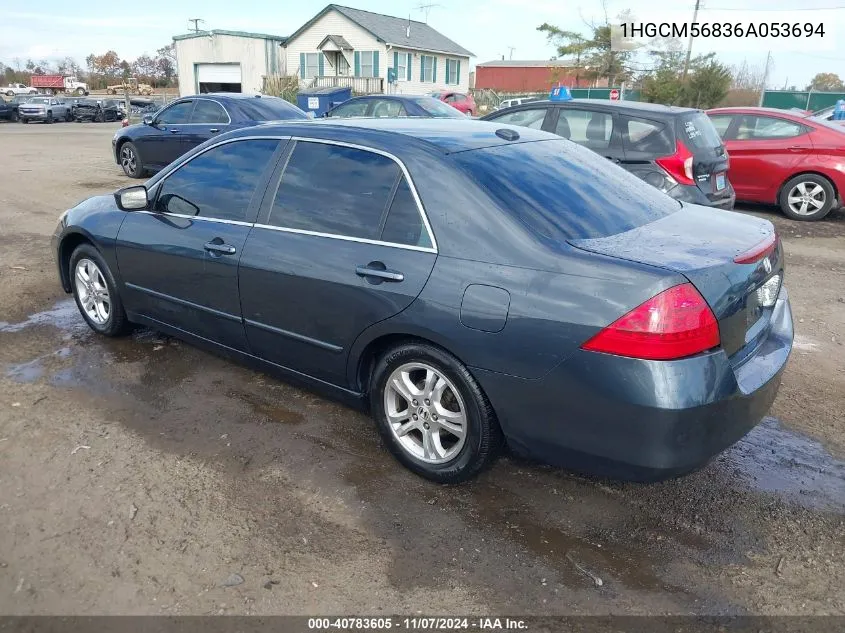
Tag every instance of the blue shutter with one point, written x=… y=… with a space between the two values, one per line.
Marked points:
x=447 y=71
x=458 y=78
x=396 y=64
x=320 y=66
x=302 y=65
x=408 y=67
x=375 y=64
x=434 y=69
x=422 y=67
x=357 y=64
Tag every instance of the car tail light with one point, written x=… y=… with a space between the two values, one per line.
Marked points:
x=759 y=251
x=679 y=164
x=673 y=324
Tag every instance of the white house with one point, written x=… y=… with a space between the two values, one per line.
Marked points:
x=227 y=61
x=374 y=53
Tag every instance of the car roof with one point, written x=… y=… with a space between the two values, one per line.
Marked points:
x=639 y=106
x=756 y=110
x=229 y=95
x=446 y=136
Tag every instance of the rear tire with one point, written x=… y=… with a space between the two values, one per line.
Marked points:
x=95 y=292
x=130 y=160
x=68 y=116
x=443 y=428
x=49 y=117
x=807 y=197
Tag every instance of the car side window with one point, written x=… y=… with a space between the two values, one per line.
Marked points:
x=177 y=113
x=334 y=189
x=217 y=184
x=755 y=128
x=721 y=122
x=356 y=108
x=526 y=118
x=404 y=223
x=647 y=136
x=209 y=112
x=586 y=127
x=388 y=108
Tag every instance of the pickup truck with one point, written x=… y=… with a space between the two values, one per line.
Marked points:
x=8 y=110
x=47 y=109
x=18 y=89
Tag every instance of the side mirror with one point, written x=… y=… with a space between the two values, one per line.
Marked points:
x=148 y=119
x=132 y=198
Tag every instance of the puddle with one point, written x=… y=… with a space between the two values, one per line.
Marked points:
x=267 y=408
x=26 y=372
x=64 y=316
x=777 y=460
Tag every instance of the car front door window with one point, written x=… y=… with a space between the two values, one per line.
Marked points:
x=176 y=114
x=532 y=118
x=358 y=108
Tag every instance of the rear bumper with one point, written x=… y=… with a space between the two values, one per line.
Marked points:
x=691 y=193
x=645 y=420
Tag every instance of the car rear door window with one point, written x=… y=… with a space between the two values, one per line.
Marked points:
x=219 y=183
x=209 y=112
x=335 y=190
x=752 y=127
x=354 y=108
x=721 y=122
x=175 y=114
x=404 y=223
x=388 y=108
x=532 y=118
x=589 y=128
x=647 y=137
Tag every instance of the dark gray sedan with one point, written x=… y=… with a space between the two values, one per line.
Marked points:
x=470 y=283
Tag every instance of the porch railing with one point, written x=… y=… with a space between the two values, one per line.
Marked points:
x=359 y=85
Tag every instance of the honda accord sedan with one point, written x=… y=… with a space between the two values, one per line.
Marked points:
x=468 y=283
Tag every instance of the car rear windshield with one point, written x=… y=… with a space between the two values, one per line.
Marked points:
x=437 y=109
x=697 y=131
x=269 y=109
x=561 y=191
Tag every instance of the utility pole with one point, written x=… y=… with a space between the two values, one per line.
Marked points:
x=196 y=22
x=766 y=78
x=689 y=44
x=511 y=49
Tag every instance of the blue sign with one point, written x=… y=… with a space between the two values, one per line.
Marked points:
x=561 y=93
x=839 y=111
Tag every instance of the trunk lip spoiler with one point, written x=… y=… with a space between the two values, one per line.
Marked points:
x=759 y=251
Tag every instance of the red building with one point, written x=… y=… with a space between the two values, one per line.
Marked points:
x=524 y=76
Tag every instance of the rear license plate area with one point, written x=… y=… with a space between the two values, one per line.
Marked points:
x=720 y=182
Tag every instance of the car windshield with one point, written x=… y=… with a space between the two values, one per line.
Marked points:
x=44 y=100
x=437 y=109
x=563 y=191
x=269 y=109
x=697 y=128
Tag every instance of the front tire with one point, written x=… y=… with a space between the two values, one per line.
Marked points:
x=130 y=160
x=68 y=116
x=49 y=118
x=432 y=414
x=95 y=292
x=807 y=197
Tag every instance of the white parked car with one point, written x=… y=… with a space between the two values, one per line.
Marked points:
x=18 y=89
x=507 y=103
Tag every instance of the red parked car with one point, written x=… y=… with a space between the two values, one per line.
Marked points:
x=784 y=158
x=458 y=100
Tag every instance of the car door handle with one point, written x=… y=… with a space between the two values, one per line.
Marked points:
x=222 y=249
x=612 y=159
x=797 y=148
x=174 y=131
x=379 y=273
x=214 y=130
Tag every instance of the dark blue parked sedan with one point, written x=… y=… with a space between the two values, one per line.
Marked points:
x=468 y=282
x=182 y=125
x=393 y=106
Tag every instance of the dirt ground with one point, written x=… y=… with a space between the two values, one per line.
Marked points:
x=142 y=476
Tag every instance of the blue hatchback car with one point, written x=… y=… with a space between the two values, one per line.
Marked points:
x=190 y=121
x=469 y=283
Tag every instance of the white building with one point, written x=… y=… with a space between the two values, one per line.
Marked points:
x=340 y=46
x=227 y=61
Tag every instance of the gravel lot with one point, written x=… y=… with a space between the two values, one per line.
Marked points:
x=138 y=475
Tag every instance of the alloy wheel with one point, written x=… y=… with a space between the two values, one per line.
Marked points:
x=128 y=160
x=93 y=292
x=806 y=198
x=425 y=412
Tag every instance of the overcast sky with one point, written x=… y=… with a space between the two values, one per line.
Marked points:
x=56 y=28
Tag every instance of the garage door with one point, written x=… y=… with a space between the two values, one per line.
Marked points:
x=219 y=73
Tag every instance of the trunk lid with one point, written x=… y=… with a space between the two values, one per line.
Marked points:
x=701 y=244
x=710 y=159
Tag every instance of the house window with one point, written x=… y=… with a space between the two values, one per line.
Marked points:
x=367 y=64
x=453 y=71
x=401 y=66
x=427 y=65
x=312 y=65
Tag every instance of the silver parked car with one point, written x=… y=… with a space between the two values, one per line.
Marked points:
x=47 y=109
